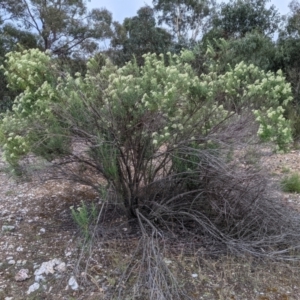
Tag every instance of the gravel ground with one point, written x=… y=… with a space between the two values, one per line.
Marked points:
x=39 y=245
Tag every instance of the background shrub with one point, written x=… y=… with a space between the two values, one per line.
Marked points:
x=291 y=184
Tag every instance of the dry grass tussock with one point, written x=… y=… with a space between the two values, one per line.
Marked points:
x=226 y=238
x=212 y=231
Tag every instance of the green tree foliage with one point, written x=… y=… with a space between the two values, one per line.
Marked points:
x=288 y=48
x=13 y=37
x=293 y=21
x=236 y=18
x=137 y=36
x=288 y=59
x=61 y=26
x=185 y=18
x=254 y=48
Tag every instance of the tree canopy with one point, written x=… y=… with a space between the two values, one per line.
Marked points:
x=137 y=36
x=185 y=18
x=62 y=26
x=236 y=18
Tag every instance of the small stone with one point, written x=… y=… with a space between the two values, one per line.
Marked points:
x=33 y=288
x=39 y=278
x=61 y=267
x=11 y=262
x=19 y=218
x=20 y=249
x=22 y=275
x=194 y=275
x=42 y=230
x=4 y=213
x=73 y=283
x=167 y=261
x=48 y=267
x=8 y=228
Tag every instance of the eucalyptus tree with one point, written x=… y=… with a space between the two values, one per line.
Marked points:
x=234 y=19
x=62 y=26
x=288 y=57
x=254 y=48
x=186 y=18
x=137 y=36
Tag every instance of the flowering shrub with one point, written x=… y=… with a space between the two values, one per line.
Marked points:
x=127 y=115
x=274 y=127
x=31 y=116
x=159 y=135
x=267 y=94
x=246 y=85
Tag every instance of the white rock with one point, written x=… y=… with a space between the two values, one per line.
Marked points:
x=11 y=262
x=73 y=283
x=42 y=230
x=4 y=212
x=8 y=228
x=33 y=288
x=61 y=267
x=167 y=261
x=194 y=275
x=48 y=267
x=57 y=276
x=8 y=298
x=39 y=278
x=22 y=275
x=35 y=265
x=20 y=249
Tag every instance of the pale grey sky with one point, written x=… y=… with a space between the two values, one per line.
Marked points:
x=122 y=8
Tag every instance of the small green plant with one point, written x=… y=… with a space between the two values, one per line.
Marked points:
x=84 y=217
x=285 y=170
x=291 y=184
x=251 y=156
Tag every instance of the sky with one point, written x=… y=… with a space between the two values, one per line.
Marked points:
x=122 y=9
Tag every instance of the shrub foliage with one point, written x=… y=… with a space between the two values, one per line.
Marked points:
x=157 y=134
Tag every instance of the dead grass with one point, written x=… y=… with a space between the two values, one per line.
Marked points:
x=116 y=265
x=121 y=268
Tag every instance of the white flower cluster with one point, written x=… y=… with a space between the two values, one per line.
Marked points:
x=27 y=71
x=274 y=127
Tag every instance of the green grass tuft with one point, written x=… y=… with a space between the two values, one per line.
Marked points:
x=291 y=184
